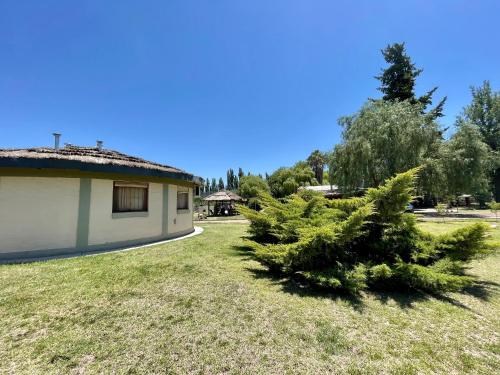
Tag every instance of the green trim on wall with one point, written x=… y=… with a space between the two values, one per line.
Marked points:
x=164 y=222
x=82 y=230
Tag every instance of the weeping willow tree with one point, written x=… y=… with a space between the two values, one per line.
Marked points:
x=385 y=138
x=484 y=112
x=358 y=243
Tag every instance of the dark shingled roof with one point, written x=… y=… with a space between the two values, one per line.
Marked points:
x=88 y=159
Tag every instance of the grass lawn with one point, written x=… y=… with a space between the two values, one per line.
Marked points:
x=202 y=305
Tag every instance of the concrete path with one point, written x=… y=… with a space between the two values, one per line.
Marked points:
x=235 y=221
x=431 y=214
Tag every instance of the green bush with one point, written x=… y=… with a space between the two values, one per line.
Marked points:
x=415 y=276
x=463 y=244
x=495 y=208
x=359 y=243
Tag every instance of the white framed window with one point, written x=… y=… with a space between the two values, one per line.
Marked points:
x=183 y=200
x=130 y=196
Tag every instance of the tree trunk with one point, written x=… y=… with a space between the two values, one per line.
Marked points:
x=318 y=171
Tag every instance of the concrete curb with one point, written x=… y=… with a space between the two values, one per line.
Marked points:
x=197 y=231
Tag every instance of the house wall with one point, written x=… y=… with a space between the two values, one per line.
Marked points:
x=179 y=220
x=38 y=213
x=45 y=216
x=104 y=228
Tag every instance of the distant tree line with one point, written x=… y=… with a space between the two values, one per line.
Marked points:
x=232 y=183
x=396 y=133
x=393 y=134
x=282 y=182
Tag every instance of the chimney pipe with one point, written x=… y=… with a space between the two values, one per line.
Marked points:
x=99 y=145
x=57 y=137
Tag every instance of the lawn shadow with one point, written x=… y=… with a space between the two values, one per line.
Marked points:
x=243 y=251
x=295 y=287
x=482 y=289
x=405 y=299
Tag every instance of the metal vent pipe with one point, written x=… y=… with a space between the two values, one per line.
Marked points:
x=57 y=137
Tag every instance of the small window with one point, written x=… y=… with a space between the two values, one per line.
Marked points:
x=130 y=197
x=182 y=200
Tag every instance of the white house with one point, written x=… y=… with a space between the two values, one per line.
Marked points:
x=74 y=200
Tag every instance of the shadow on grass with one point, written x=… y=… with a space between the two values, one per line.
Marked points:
x=405 y=299
x=295 y=287
x=482 y=289
x=243 y=251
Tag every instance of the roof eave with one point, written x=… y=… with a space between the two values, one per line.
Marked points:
x=52 y=163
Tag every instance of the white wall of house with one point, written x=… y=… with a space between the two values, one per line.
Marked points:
x=41 y=213
x=38 y=213
x=179 y=220
x=104 y=228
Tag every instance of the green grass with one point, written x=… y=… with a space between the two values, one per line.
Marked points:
x=202 y=305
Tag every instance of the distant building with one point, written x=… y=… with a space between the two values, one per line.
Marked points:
x=75 y=200
x=329 y=191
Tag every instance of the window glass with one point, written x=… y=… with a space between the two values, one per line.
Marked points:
x=182 y=200
x=130 y=197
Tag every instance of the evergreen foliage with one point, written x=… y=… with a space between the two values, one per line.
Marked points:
x=207 y=186
x=399 y=78
x=220 y=186
x=359 y=243
x=231 y=180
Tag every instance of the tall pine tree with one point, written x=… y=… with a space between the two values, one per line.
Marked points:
x=398 y=80
x=221 y=184
x=229 y=179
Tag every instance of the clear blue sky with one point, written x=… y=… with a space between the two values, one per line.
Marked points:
x=208 y=85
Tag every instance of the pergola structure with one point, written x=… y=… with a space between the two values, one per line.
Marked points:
x=222 y=198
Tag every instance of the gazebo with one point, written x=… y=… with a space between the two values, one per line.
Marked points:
x=224 y=202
